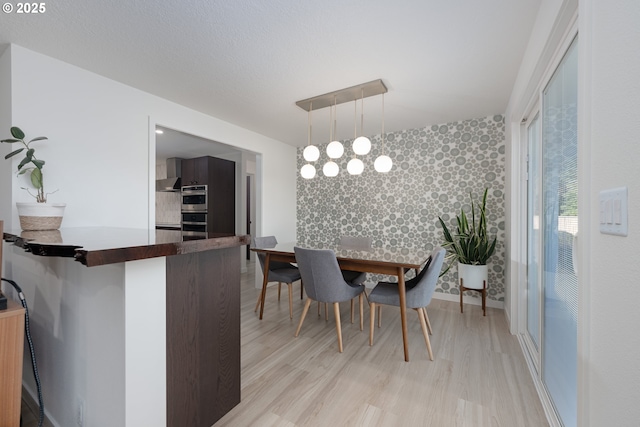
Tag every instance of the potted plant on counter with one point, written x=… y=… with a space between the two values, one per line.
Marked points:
x=471 y=246
x=40 y=215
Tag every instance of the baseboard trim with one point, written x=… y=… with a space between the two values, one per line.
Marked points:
x=33 y=406
x=468 y=300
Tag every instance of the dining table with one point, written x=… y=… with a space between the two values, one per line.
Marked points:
x=389 y=260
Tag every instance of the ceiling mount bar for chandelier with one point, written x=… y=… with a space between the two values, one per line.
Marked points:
x=361 y=145
x=364 y=90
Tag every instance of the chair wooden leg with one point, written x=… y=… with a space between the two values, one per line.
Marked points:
x=336 y=311
x=290 y=286
x=427 y=319
x=372 y=321
x=484 y=297
x=279 y=284
x=304 y=313
x=361 y=309
x=258 y=303
x=423 y=324
x=301 y=289
x=352 y=310
x=318 y=309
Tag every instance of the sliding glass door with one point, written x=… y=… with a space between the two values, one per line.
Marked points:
x=552 y=230
x=559 y=233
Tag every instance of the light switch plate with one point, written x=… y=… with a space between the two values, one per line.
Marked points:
x=613 y=211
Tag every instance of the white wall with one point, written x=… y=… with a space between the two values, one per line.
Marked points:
x=5 y=124
x=610 y=314
x=98 y=153
x=77 y=321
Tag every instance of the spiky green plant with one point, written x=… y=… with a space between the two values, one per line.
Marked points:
x=29 y=163
x=471 y=244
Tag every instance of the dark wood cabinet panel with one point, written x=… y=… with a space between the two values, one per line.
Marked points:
x=220 y=177
x=203 y=337
x=222 y=199
x=195 y=171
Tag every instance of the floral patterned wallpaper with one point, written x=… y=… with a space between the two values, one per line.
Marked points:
x=434 y=170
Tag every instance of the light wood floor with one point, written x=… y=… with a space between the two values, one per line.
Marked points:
x=478 y=378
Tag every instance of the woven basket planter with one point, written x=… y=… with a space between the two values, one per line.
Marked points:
x=40 y=216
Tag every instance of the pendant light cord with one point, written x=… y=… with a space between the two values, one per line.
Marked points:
x=310 y=124
x=383 y=150
x=362 y=113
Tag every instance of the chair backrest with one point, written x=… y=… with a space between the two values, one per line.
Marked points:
x=264 y=242
x=321 y=275
x=268 y=242
x=420 y=289
x=355 y=242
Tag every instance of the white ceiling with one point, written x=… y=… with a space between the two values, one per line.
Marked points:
x=247 y=61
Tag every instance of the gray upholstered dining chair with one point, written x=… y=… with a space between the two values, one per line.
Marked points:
x=355 y=277
x=323 y=282
x=281 y=272
x=419 y=291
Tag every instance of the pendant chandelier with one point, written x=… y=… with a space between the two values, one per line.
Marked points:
x=361 y=144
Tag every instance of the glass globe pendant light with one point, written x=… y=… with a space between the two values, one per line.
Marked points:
x=361 y=144
x=383 y=163
x=311 y=153
x=330 y=169
x=355 y=166
x=308 y=171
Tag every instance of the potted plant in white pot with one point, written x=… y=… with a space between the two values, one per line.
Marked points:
x=471 y=246
x=40 y=215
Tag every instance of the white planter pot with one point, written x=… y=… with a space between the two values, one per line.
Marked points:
x=40 y=216
x=473 y=276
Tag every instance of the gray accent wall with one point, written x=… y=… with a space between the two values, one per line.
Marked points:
x=434 y=170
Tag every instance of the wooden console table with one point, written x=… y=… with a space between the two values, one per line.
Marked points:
x=11 y=349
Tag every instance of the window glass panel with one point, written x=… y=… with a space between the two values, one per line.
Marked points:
x=559 y=230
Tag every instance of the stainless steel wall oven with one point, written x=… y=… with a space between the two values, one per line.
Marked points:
x=194 y=210
x=194 y=198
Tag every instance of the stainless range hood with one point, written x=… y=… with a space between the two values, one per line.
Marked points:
x=173 y=181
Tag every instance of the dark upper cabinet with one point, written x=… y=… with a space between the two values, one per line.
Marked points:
x=196 y=171
x=220 y=177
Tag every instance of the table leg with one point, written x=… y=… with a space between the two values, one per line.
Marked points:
x=403 y=312
x=265 y=280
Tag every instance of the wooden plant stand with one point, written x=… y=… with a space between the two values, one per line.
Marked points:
x=483 y=291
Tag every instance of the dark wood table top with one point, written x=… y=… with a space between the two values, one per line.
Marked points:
x=94 y=246
x=392 y=257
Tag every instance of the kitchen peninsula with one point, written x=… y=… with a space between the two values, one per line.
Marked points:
x=149 y=334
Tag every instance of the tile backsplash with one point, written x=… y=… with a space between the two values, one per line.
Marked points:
x=168 y=204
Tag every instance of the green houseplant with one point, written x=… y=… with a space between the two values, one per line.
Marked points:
x=40 y=215
x=471 y=244
x=29 y=164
